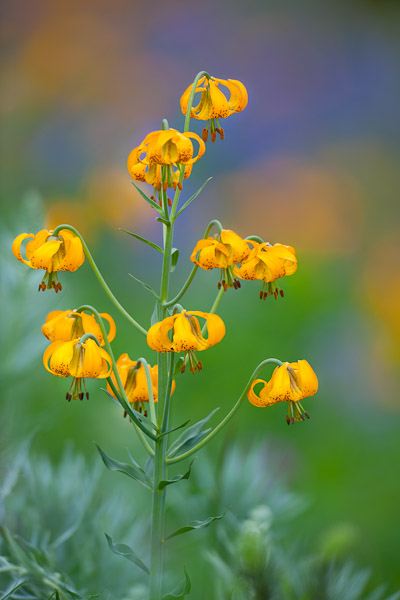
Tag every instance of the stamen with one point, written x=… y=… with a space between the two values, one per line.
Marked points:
x=222 y=133
x=204 y=134
x=180 y=186
x=281 y=293
x=213 y=136
x=261 y=295
x=169 y=201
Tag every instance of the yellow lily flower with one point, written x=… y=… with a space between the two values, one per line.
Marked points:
x=152 y=174
x=289 y=383
x=186 y=335
x=67 y=325
x=79 y=360
x=167 y=147
x=222 y=253
x=268 y=263
x=213 y=104
x=62 y=252
x=134 y=380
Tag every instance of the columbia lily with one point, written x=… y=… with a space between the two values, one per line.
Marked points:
x=289 y=383
x=62 y=252
x=186 y=335
x=133 y=378
x=222 y=253
x=67 y=325
x=78 y=360
x=152 y=174
x=268 y=263
x=167 y=147
x=213 y=104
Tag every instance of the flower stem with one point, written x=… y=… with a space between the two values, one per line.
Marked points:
x=228 y=417
x=101 y=278
x=192 y=92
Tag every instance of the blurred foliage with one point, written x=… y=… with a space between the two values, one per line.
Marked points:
x=52 y=545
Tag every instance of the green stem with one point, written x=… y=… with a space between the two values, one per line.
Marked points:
x=228 y=417
x=123 y=400
x=101 y=278
x=192 y=92
x=194 y=270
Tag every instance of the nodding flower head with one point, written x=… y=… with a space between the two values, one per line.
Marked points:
x=52 y=253
x=222 y=252
x=268 y=263
x=291 y=383
x=77 y=359
x=182 y=333
x=67 y=325
x=214 y=104
x=133 y=378
x=152 y=174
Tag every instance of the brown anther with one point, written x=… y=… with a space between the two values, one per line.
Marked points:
x=183 y=368
x=80 y=396
x=261 y=295
x=145 y=413
x=288 y=419
x=59 y=286
x=281 y=293
x=222 y=133
x=292 y=420
x=276 y=294
x=213 y=136
x=265 y=296
x=169 y=202
x=192 y=369
x=68 y=396
x=165 y=186
x=199 y=366
x=302 y=418
x=152 y=198
x=238 y=283
x=219 y=285
x=174 y=186
x=204 y=134
x=125 y=413
x=87 y=395
x=140 y=409
x=225 y=286
x=180 y=186
x=307 y=415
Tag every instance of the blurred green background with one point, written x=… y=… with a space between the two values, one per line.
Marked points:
x=312 y=162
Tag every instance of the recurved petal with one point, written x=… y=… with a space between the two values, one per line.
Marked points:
x=307 y=377
x=74 y=256
x=157 y=336
x=220 y=108
x=106 y=366
x=240 y=249
x=91 y=359
x=215 y=327
x=58 y=326
x=60 y=356
x=202 y=148
x=187 y=333
x=281 y=386
x=111 y=322
x=42 y=257
x=38 y=240
x=90 y=325
x=253 y=397
x=238 y=98
x=16 y=247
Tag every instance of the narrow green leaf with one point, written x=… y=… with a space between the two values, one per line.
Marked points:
x=173 y=429
x=14 y=589
x=195 y=525
x=134 y=414
x=181 y=591
x=142 y=239
x=127 y=552
x=174 y=258
x=166 y=482
x=133 y=471
x=164 y=221
x=190 y=437
x=148 y=200
x=192 y=198
x=111 y=396
x=146 y=286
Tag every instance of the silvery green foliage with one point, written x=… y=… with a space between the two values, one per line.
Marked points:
x=52 y=533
